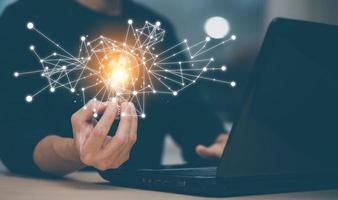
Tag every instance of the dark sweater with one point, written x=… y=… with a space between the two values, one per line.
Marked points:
x=23 y=125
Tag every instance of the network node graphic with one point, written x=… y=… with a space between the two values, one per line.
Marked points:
x=128 y=70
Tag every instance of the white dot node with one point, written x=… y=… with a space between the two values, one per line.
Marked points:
x=143 y=115
x=224 y=68
x=16 y=74
x=64 y=67
x=83 y=38
x=175 y=93
x=205 y=69
x=95 y=115
x=217 y=27
x=82 y=89
x=30 y=25
x=207 y=39
x=72 y=90
x=233 y=37
x=32 y=47
x=29 y=98
x=52 y=89
x=134 y=92
x=233 y=84
x=130 y=21
x=158 y=23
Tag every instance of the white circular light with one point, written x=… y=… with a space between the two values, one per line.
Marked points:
x=224 y=68
x=83 y=38
x=217 y=27
x=52 y=89
x=130 y=21
x=72 y=90
x=233 y=84
x=233 y=37
x=16 y=74
x=30 y=25
x=32 y=47
x=29 y=98
x=175 y=93
x=143 y=115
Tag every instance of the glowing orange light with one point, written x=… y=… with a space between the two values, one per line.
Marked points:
x=121 y=70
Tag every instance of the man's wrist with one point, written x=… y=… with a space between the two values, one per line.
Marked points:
x=67 y=150
x=57 y=155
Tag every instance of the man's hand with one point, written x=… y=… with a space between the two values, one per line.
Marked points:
x=215 y=150
x=95 y=147
x=91 y=144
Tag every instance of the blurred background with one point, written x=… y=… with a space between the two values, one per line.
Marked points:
x=248 y=19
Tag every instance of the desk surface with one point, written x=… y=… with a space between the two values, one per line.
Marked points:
x=89 y=185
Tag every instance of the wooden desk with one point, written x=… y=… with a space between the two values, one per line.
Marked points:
x=89 y=185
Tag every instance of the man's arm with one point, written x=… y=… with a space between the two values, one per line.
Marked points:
x=57 y=155
x=91 y=146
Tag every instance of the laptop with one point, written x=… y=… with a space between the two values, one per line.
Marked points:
x=285 y=137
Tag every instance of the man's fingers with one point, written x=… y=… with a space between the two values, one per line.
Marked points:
x=209 y=152
x=104 y=154
x=222 y=138
x=96 y=139
x=203 y=151
x=121 y=137
x=126 y=118
x=86 y=113
x=134 y=124
x=124 y=156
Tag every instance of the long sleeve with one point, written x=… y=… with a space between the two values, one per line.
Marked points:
x=21 y=123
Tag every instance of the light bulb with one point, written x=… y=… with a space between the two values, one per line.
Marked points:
x=120 y=73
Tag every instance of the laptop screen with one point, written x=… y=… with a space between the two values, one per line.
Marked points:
x=289 y=122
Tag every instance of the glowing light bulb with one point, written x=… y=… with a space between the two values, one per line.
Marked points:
x=120 y=73
x=119 y=76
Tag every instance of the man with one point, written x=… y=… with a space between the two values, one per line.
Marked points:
x=38 y=139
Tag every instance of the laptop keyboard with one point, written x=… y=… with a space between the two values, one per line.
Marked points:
x=201 y=171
